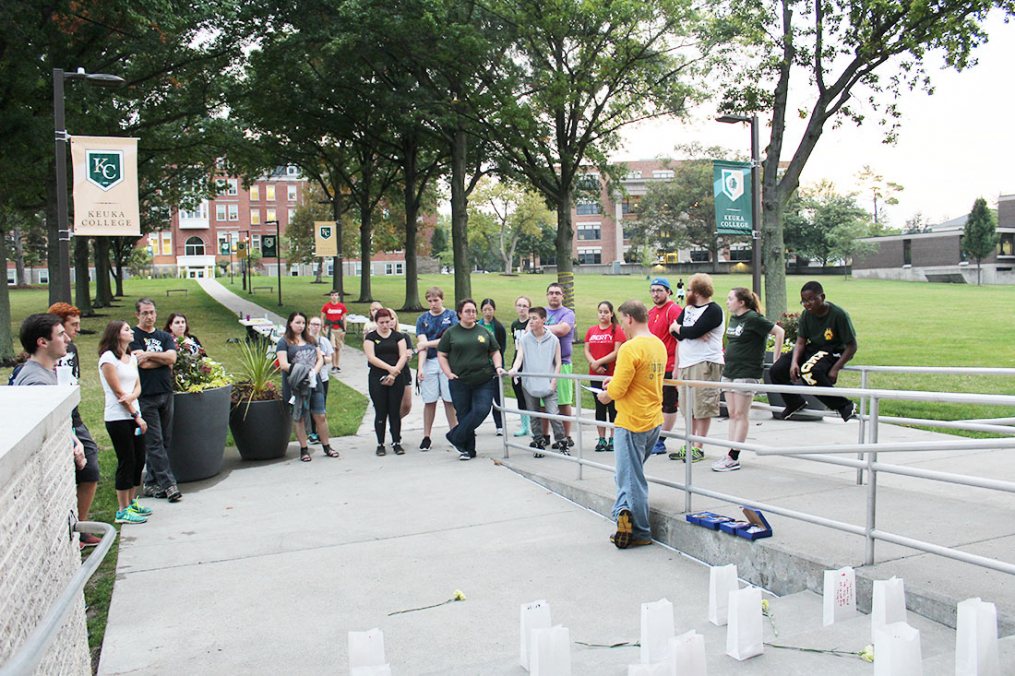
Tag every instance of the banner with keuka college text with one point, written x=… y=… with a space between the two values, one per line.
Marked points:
x=325 y=239
x=105 y=186
x=732 y=187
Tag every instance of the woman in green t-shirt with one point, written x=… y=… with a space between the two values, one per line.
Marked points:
x=746 y=338
x=469 y=355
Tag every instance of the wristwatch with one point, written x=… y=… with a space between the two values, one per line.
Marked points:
x=135 y=415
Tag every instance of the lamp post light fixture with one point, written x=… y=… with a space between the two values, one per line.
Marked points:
x=61 y=137
x=278 y=257
x=756 y=197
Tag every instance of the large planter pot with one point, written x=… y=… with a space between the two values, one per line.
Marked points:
x=261 y=432
x=200 y=422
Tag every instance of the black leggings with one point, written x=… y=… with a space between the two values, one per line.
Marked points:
x=606 y=412
x=129 y=453
x=387 y=406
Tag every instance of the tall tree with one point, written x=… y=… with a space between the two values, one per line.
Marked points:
x=882 y=192
x=980 y=235
x=582 y=71
x=505 y=212
x=849 y=58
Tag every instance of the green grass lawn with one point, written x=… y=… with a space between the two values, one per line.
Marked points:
x=897 y=323
x=210 y=322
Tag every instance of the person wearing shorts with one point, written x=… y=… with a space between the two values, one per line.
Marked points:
x=333 y=322
x=662 y=316
x=560 y=322
x=746 y=340
x=433 y=382
x=700 y=334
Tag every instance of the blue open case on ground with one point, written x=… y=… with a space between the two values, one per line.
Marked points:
x=709 y=520
x=732 y=527
x=757 y=528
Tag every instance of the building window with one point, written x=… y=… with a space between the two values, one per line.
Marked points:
x=272 y=216
x=740 y=255
x=700 y=256
x=591 y=256
x=628 y=231
x=907 y=252
x=292 y=171
x=194 y=247
x=220 y=212
x=232 y=186
x=1006 y=245
x=234 y=212
x=292 y=215
x=588 y=182
x=255 y=193
x=629 y=206
x=291 y=193
x=633 y=175
x=255 y=242
x=588 y=232
x=662 y=173
x=167 y=244
x=269 y=192
x=588 y=208
x=255 y=216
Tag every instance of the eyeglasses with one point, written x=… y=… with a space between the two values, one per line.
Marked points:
x=469 y=312
x=810 y=301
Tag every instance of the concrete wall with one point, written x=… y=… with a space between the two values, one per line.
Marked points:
x=38 y=555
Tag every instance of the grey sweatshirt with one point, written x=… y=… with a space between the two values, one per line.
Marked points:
x=539 y=354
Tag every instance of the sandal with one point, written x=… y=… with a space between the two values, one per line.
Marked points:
x=330 y=452
x=305 y=455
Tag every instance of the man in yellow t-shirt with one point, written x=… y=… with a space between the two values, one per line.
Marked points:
x=637 y=387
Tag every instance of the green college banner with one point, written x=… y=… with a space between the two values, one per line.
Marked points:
x=269 y=246
x=732 y=187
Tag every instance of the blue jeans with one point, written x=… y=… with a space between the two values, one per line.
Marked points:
x=157 y=411
x=632 y=449
x=472 y=405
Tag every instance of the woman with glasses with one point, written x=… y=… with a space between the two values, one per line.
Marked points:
x=469 y=356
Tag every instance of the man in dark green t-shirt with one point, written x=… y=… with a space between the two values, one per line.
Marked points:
x=825 y=342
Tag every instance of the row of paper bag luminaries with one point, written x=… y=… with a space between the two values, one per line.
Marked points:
x=546 y=649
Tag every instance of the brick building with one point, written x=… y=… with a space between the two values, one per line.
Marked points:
x=936 y=255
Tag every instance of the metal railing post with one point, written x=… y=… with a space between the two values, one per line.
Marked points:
x=862 y=432
x=688 y=450
x=503 y=414
x=872 y=482
x=577 y=422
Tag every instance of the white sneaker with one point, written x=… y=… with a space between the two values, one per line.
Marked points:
x=727 y=464
x=500 y=431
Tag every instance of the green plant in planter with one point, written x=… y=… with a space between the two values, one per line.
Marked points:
x=256 y=375
x=196 y=372
x=789 y=323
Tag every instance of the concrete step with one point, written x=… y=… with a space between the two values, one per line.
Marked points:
x=944 y=664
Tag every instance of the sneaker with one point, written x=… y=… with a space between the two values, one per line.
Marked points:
x=464 y=456
x=848 y=412
x=314 y=439
x=633 y=543
x=127 y=516
x=609 y=446
x=660 y=448
x=138 y=508
x=88 y=540
x=539 y=445
x=727 y=464
x=697 y=455
x=153 y=491
x=601 y=446
x=561 y=447
x=173 y=494
x=397 y=448
x=791 y=411
x=424 y=445
x=679 y=455
x=380 y=450
x=570 y=442
x=499 y=432
x=625 y=525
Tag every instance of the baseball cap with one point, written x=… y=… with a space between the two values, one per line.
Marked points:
x=662 y=281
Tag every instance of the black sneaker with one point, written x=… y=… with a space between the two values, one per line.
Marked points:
x=380 y=450
x=397 y=448
x=848 y=412
x=424 y=445
x=539 y=445
x=570 y=442
x=173 y=494
x=464 y=456
x=153 y=491
x=601 y=445
x=791 y=411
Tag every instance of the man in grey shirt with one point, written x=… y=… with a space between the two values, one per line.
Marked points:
x=539 y=352
x=45 y=340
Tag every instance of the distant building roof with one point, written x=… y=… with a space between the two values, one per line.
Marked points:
x=954 y=224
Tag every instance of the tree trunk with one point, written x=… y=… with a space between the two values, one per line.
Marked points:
x=320 y=271
x=460 y=218
x=53 y=239
x=6 y=334
x=19 y=257
x=565 y=263
x=103 y=289
x=409 y=152
x=82 y=290
x=772 y=253
x=365 y=214
x=118 y=276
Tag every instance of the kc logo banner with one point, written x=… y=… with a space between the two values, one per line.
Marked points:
x=105 y=186
x=325 y=242
x=732 y=190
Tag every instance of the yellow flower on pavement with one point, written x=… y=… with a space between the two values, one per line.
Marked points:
x=867 y=654
x=459 y=595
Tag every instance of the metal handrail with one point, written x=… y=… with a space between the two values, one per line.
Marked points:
x=26 y=660
x=867 y=448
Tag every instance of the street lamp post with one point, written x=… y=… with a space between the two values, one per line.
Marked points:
x=61 y=137
x=756 y=197
x=278 y=258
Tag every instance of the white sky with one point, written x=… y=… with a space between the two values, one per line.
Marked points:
x=954 y=146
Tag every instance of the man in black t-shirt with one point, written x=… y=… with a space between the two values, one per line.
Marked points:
x=825 y=342
x=156 y=353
